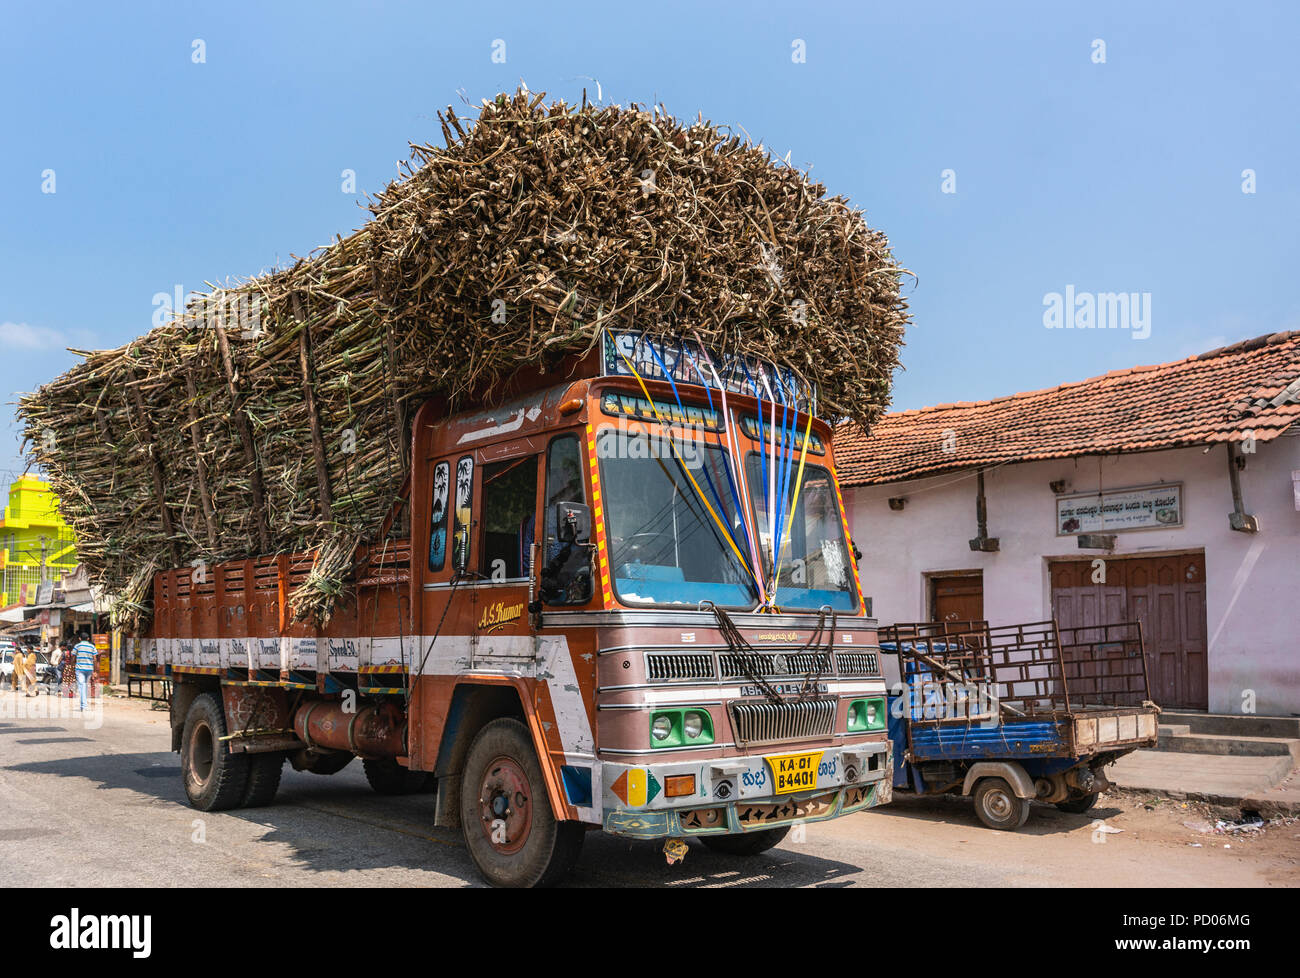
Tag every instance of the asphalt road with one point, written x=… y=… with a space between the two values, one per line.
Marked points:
x=101 y=803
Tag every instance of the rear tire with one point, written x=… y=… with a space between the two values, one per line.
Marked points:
x=264 y=772
x=512 y=835
x=749 y=844
x=388 y=777
x=998 y=806
x=1079 y=805
x=319 y=762
x=215 y=779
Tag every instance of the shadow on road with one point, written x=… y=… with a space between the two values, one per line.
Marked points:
x=611 y=861
x=337 y=823
x=952 y=810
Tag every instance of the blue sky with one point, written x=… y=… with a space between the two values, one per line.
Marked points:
x=1122 y=176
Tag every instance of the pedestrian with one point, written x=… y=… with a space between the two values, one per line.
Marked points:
x=85 y=655
x=29 y=672
x=20 y=669
x=56 y=660
x=69 y=670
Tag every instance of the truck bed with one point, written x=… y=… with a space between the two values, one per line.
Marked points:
x=1086 y=732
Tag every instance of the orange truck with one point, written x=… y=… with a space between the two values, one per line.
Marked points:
x=623 y=597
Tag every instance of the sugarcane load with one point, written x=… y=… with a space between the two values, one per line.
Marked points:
x=542 y=438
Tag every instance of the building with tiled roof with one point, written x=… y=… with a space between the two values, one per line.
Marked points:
x=1168 y=494
x=1249 y=389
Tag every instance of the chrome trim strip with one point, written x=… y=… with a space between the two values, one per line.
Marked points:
x=664 y=750
x=656 y=706
x=628 y=618
x=463 y=585
x=674 y=684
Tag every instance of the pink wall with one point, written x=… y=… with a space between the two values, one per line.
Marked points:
x=1252 y=580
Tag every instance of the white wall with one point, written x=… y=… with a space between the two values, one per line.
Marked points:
x=1252 y=580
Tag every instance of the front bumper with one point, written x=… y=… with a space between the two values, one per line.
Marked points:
x=735 y=794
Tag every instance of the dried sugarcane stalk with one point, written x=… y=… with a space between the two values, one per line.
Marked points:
x=145 y=437
x=246 y=438
x=309 y=390
x=506 y=249
x=201 y=469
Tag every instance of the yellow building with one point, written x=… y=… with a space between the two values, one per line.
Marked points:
x=35 y=544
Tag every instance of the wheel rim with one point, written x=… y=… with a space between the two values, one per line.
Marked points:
x=505 y=805
x=998 y=804
x=201 y=754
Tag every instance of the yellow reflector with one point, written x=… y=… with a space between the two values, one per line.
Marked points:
x=636 y=786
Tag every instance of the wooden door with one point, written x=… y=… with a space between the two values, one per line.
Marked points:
x=957 y=598
x=1166 y=594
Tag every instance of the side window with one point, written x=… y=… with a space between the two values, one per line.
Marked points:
x=509 y=520
x=564 y=482
x=566 y=568
x=461 y=513
x=438 y=519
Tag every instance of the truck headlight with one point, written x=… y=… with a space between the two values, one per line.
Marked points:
x=674 y=728
x=693 y=725
x=866 y=715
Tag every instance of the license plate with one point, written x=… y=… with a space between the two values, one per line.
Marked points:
x=795 y=772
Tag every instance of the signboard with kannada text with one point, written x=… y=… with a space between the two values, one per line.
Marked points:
x=1116 y=510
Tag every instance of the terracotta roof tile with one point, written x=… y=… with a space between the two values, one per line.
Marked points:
x=1214 y=397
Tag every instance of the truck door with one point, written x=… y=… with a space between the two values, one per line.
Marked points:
x=483 y=518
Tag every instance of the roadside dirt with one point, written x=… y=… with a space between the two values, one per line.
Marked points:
x=1128 y=839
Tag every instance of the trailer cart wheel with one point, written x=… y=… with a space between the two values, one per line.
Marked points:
x=510 y=831
x=1078 y=804
x=749 y=844
x=388 y=777
x=998 y=806
x=263 y=778
x=215 y=779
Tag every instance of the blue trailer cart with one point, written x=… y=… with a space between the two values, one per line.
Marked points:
x=1016 y=713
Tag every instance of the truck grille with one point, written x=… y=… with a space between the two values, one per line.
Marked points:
x=774 y=664
x=857 y=664
x=771 y=723
x=678 y=665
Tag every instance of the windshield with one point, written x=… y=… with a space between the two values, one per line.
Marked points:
x=665 y=547
x=814 y=563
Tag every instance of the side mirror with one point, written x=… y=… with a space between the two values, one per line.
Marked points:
x=572 y=522
x=460 y=550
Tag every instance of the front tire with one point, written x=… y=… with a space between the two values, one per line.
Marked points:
x=749 y=844
x=215 y=779
x=510 y=831
x=998 y=806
